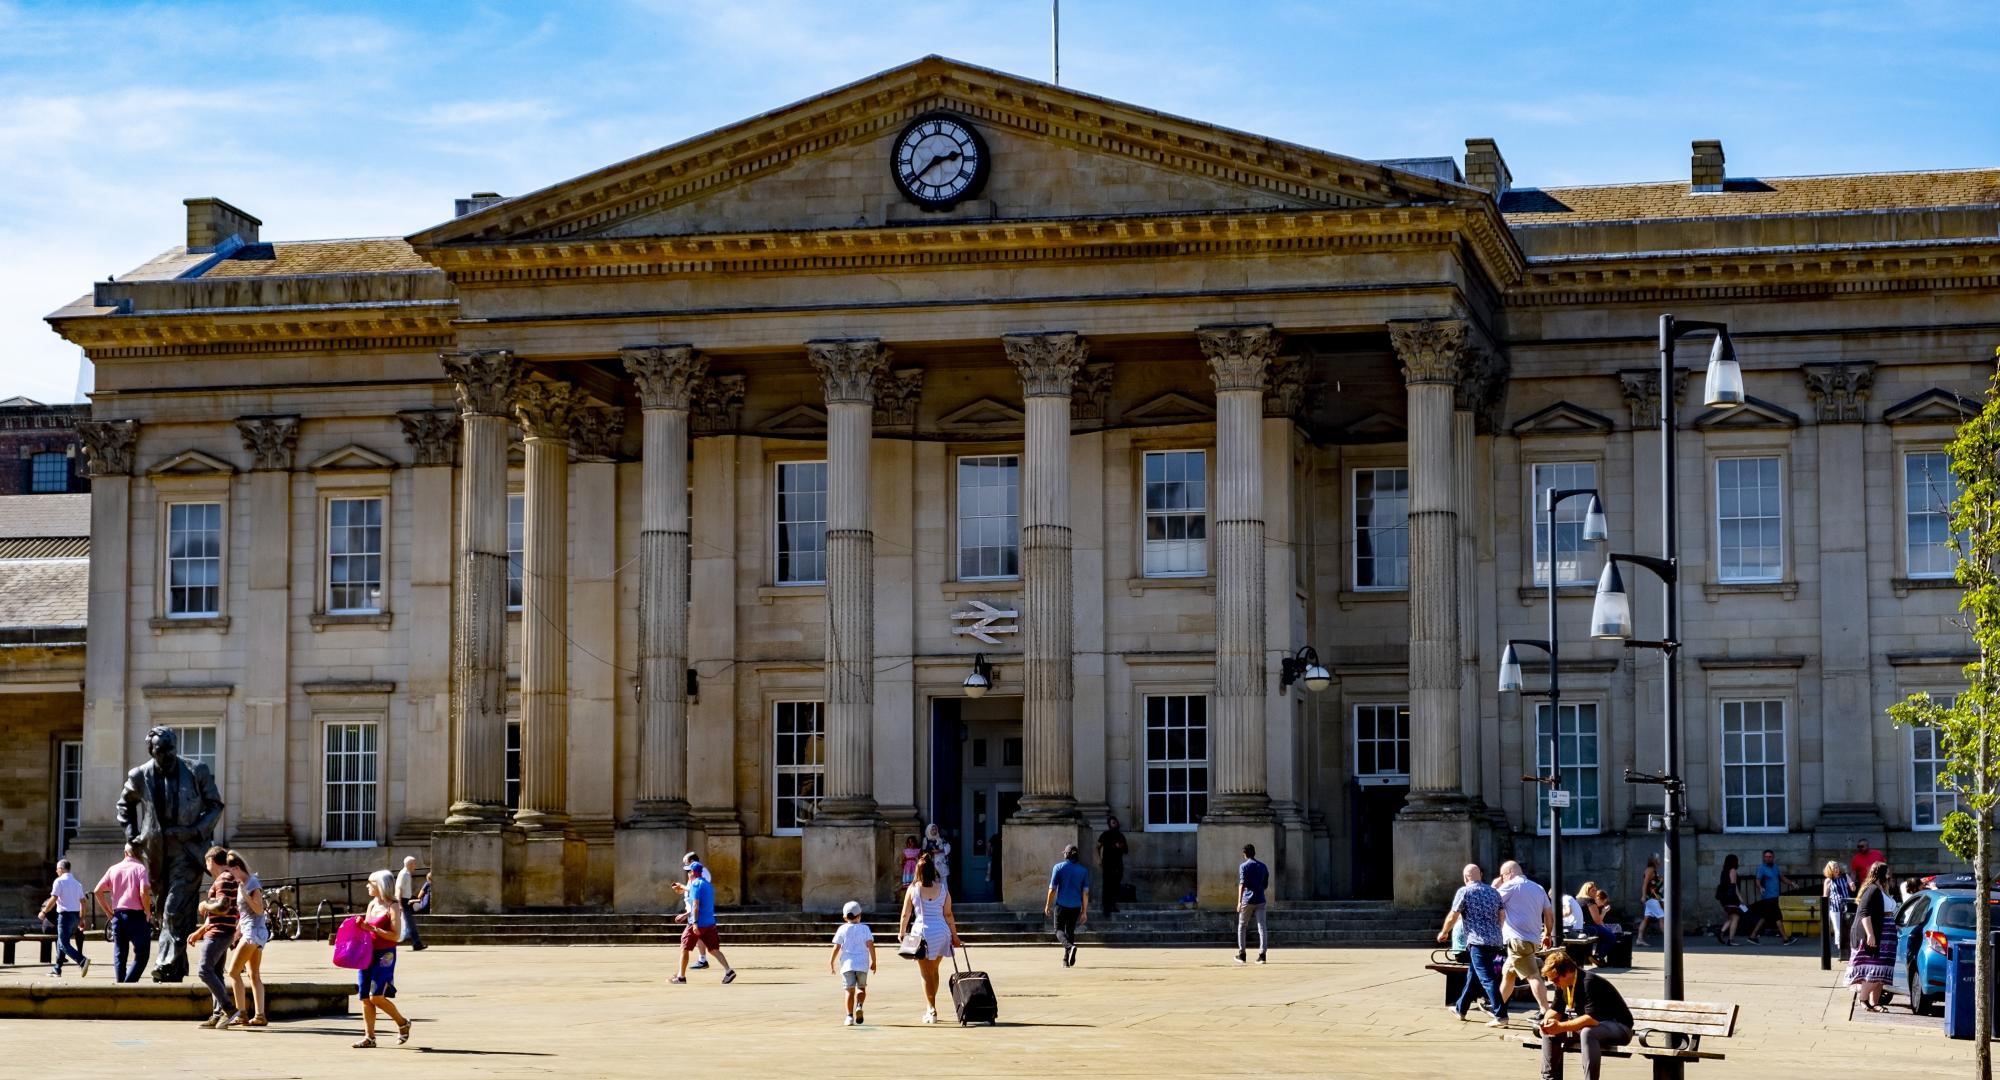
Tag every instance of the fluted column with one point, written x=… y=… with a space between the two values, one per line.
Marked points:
x=666 y=377
x=1239 y=361
x=1431 y=351
x=1466 y=401
x=108 y=448
x=848 y=370
x=545 y=410
x=485 y=381
x=1047 y=364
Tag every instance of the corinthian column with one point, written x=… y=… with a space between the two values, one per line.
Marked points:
x=1047 y=363
x=545 y=410
x=839 y=855
x=469 y=851
x=666 y=377
x=1470 y=394
x=485 y=381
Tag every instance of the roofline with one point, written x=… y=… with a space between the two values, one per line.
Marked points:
x=1794 y=215
x=1802 y=176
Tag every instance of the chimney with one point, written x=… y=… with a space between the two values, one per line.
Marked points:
x=1485 y=168
x=1707 y=165
x=213 y=223
x=480 y=200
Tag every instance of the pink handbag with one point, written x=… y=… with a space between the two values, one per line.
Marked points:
x=353 y=945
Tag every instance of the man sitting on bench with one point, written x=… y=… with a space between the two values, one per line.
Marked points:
x=1586 y=1007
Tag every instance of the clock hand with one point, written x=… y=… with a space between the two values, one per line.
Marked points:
x=938 y=160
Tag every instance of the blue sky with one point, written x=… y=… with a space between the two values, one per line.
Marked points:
x=366 y=119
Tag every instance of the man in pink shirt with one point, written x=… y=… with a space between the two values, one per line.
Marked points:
x=130 y=912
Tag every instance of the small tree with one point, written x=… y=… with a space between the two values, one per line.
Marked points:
x=1967 y=731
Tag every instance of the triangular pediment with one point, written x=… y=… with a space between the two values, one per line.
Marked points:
x=1934 y=406
x=1171 y=407
x=824 y=163
x=1563 y=418
x=803 y=420
x=1376 y=427
x=1755 y=412
x=351 y=456
x=984 y=416
x=192 y=463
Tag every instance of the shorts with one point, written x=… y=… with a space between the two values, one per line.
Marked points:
x=1655 y=910
x=704 y=936
x=852 y=979
x=378 y=979
x=1766 y=910
x=1522 y=959
x=256 y=931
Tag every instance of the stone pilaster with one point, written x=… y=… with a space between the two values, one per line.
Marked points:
x=108 y=450
x=271 y=441
x=840 y=850
x=712 y=647
x=1047 y=365
x=1436 y=827
x=1239 y=811
x=656 y=834
x=433 y=440
x=470 y=849
x=1847 y=805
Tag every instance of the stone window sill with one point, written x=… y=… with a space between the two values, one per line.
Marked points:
x=1139 y=586
x=377 y=619
x=983 y=587
x=1531 y=593
x=1716 y=590
x=768 y=593
x=1904 y=586
x=212 y=622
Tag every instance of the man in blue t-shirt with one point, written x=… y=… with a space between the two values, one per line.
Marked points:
x=700 y=920
x=1770 y=884
x=1069 y=893
x=1252 y=878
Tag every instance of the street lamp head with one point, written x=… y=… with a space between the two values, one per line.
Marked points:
x=1724 y=384
x=981 y=679
x=1595 y=530
x=1611 y=614
x=1317 y=678
x=1510 y=671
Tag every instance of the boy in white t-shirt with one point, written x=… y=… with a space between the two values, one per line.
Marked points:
x=853 y=958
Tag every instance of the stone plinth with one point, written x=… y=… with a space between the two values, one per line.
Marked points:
x=550 y=869
x=107 y=1000
x=1219 y=851
x=648 y=865
x=471 y=870
x=839 y=864
x=1432 y=844
x=1032 y=847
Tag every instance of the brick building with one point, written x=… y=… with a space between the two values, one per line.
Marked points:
x=39 y=451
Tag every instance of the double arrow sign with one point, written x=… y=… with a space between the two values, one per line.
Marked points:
x=983 y=622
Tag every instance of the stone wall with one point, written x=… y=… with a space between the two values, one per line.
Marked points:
x=31 y=725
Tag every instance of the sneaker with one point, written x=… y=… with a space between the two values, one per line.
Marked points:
x=1260 y=958
x=728 y=977
x=698 y=965
x=1756 y=940
x=676 y=979
x=1461 y=1016
x=857 y=1015
x=1240 y=959
x=1793 y=940
x=55 y=973
x=847 y=1021
x=1496 y=1022
x=83 y=966
x=214 y=1021
x=930 y=1016
x=1073 y=950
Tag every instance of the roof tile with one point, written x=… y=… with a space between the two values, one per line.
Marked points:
x=1776 y=195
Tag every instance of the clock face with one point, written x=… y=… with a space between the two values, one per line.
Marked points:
x=939 y=161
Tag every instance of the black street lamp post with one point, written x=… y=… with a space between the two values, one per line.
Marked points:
x=1594 y=531
x=1611 y=619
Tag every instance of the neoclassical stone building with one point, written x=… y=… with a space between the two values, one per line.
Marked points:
x=671 y=507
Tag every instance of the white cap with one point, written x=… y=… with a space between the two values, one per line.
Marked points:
x=852 y=909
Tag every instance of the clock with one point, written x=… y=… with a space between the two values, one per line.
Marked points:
x=939 y=161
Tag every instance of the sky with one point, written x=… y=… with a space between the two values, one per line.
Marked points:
x=367 y=119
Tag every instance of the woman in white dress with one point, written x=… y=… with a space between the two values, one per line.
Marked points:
x=927 y=910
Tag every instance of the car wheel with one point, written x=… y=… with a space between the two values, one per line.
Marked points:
x=1920 y=1002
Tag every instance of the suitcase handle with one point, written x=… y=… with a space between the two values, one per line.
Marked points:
x=954 y=958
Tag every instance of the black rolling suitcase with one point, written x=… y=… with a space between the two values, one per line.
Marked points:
x=972 y=994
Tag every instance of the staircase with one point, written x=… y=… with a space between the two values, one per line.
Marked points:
x=1320 y=923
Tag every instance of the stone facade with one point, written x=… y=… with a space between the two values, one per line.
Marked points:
x=1161 y=406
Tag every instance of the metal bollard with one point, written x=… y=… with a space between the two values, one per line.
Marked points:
x=1825 y=935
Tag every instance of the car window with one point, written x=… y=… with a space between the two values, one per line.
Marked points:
x=1956 y=914
x=1914 y=909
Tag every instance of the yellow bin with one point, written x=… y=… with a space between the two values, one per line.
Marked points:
x=1800 y=915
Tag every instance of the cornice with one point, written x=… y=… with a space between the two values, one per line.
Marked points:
x=1758 y=274
x=424 y=326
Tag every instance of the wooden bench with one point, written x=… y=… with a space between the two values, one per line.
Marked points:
x=1668 y=1033
x=9 y=941
x=1456 y=973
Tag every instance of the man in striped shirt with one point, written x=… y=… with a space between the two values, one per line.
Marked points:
x=217 y=931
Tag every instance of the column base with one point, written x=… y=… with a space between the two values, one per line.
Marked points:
x=548 y=867
x=648 y=864
x=469 y=870
x=838 y=864
x=475 y=815
x=1433 y=840
x=717 y=836
x=1030 y=846
x=1218 y=851
x=665 y=812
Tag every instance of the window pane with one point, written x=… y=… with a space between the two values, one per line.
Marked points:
x=1175 y=501
x=797 y=762
x=48 y=472
x=1176 y=759
x=354 y=555
x=801 y=520
x=194 y=559
x=1382 y=741
x=350 y=769
x=1749 y=519
x=1753 y=765
x=1581 y=772
x=1381 y=528
x=989 y=516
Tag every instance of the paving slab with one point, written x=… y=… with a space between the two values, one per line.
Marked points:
x=607 y=1011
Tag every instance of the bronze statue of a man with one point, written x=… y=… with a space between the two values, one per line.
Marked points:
x=169 y=808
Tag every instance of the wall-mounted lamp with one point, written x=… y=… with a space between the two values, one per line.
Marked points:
x=1304 y=666
x=981 y=679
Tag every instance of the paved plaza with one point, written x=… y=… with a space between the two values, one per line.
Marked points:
x=590 y=1012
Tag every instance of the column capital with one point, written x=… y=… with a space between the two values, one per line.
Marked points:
x=1641 y=388
x=595 y=430
x=485 y=380
x=718 y=403
x=270 y=440
x=848 y=368
x=1430 y=350
x=896 y=397
x=1285 y=398
x=432 y=433
x=1239 y=357
x=1047 y=362
x=546 y=407
x=108 y=445
x=666 y=374
x=1090 y=393
x=1839 y=389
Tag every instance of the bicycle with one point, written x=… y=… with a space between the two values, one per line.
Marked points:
x=282 y=919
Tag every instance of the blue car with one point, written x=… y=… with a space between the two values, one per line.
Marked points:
x=1927 y=926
